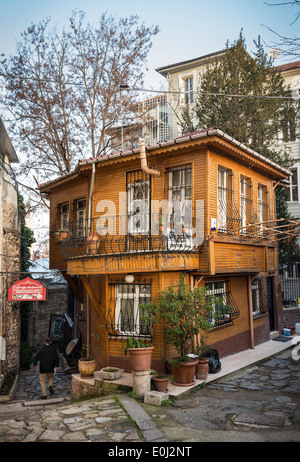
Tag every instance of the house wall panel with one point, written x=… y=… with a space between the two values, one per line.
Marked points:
x=77 y=189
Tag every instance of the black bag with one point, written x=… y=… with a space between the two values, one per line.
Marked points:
x=214 y=363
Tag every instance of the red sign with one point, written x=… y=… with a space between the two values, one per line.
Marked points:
x=27 y=290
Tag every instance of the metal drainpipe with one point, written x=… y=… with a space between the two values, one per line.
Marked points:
x=88 y=322
x=90 y=197
x=1 y=269
x=89 y=230
x=143 y=158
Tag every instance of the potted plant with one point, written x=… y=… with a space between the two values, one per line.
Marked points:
x=93 y=242
x=60 y=235
x=185 y=313
x=140 y=353
x=87 y=365
x=161 y=224
x=160 y=381
x=202 y=351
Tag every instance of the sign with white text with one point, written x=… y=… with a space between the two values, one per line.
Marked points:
x=27 y=290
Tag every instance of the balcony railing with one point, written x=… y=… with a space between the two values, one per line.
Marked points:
x=129 y=235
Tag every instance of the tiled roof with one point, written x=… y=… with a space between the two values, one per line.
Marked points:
x=212 y=131
x=288 y=66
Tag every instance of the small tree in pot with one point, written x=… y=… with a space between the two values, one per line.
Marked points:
x=186 y=313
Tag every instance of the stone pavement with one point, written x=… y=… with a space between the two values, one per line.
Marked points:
x=112 y=418
x=261 y=403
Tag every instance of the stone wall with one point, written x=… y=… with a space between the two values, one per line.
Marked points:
x=10 y=267
x=290 y=317
x=56 y=303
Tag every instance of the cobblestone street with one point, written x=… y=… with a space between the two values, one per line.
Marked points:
x=106 y=419
x=261 y=403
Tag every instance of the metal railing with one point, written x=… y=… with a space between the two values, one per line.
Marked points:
x=290 y=291
x=134 y=233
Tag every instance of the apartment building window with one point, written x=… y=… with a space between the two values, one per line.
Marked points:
x=228 y=214
x=138 y=196
x=294 y=187
x=225 y=309
x=246 y=204
x=244 y=197
x=180 y=183
x=180 y=207
x=259 y=298
x=64 y=216
x=129 y=301
x=255 y=297
x=222 y=198
x=189 y=89
x=79 y=207
x=262 y=207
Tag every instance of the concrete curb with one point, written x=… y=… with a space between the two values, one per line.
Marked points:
x=142 y=419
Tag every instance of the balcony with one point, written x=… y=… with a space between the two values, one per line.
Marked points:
x=130 y=244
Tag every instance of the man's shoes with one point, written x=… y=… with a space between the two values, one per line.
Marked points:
x=51 y=391
x=43 y=397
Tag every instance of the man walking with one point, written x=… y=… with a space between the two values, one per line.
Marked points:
x=49 y=360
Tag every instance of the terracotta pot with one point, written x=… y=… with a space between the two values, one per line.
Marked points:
x=140 y=358
x=61 y=235
x=160 y=383
x=184 y=373
x=93 y=243
x=86 y=368
x=202 y=369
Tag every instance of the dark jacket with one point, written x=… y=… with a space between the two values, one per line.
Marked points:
x=48 y=358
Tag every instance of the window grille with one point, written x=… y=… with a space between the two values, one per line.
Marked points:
x=225 y=309
x=263 y=209
x=259 y=298
x=138 y=203
x=78 y=224
x=247 y=213
x=63 y=216
x=179 y=231
x=229 y=219
x=125 y=314
x=294 y=196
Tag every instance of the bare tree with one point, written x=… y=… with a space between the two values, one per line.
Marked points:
x=63 y=88
x=288 y=46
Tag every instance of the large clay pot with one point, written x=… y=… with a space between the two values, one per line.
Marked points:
x=202 y=368
x=140 y=358
x=184 y=373
x=160 y=383
x=93 y=243
x=86 y=368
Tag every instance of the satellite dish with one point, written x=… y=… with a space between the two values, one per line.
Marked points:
x=296 y=94
x=273 y=53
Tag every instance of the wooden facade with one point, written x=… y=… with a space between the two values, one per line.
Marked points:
x=231 y=192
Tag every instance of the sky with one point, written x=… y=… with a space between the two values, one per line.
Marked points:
x=187 y=30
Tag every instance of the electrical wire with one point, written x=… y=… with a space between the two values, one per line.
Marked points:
x=147 y=90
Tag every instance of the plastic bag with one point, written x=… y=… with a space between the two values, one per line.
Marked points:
x=214 y=363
